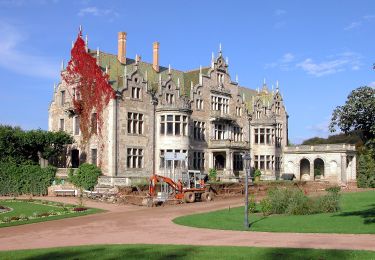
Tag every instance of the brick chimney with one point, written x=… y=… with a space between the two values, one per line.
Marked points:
x=155 y=60
x=121 y=54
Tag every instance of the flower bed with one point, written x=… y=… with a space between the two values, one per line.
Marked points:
x=30 y=210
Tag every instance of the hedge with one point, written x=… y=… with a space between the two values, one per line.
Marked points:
x=25 y=179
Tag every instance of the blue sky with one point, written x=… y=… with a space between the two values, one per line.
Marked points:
x=318 y=50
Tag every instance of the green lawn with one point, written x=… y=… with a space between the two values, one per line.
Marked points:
x=182 y=252
x=356 y=217
x=28 y=208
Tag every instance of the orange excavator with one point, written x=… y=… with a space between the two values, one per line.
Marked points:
x=193 y=190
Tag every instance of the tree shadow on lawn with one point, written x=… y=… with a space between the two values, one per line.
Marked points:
x=368 y=214
x=104 y=252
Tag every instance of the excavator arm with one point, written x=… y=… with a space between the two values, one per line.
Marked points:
x=154 y=179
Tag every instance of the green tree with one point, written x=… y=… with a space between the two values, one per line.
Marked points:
x=358 y=113
x=27 y=146
x=85 y=177
x=366 y=170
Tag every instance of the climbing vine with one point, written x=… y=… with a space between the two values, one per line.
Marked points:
x=89 y=88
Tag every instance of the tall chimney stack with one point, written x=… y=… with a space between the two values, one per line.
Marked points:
x=155 y=60
x=121 y=54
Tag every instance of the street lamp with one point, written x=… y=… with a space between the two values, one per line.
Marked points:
x=246 y=157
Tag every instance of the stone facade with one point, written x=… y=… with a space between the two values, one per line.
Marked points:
x=203 y=114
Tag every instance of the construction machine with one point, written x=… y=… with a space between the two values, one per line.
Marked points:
x=190 y=188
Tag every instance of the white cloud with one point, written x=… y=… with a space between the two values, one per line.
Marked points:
x=95 y=11
x=352 y=26
x=320 y=129
x=15 y=59
x=283 y=63
x=371 y=84
x=279 y=12
x=288 y=57
x=363 y=20
x=337 y=63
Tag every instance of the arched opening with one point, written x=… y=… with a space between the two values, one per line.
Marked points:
x=318 y=169
x=304 y=169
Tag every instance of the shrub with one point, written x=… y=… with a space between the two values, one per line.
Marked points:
x=212 y=174
x=15 y=218
x=295 y=202
x=86 y=176
x=257 y=173
x=279 y=199
x=252 y=204
x=23 y=217
x=6 y=219
x=265 y=207
x=35 y=215
x=335 y=189
x=298 y=204
x=329 y=202
x=25 y=179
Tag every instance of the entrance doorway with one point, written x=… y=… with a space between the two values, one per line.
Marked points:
x=75 y=158
x=219 y=161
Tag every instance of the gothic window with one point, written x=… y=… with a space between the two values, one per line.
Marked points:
x=199 y=130
x=173 y=125
x=94 y=123
x=239 y=111
x=256 y=135
x=268 y=136
x=237 y=134
x=62 y=97
x=219 y=130
x=134 y=158
x=94 y=156
x=62 y=124
x=220 y=104
x=237 y=162
x=76 y=125
x=261 y=136
x=199 y=104
x=135 y=123
x=198 y=160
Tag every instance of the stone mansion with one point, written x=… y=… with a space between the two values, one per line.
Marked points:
x=203 y=116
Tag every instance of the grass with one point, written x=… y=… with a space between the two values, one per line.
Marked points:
x=356 y=217
x=182 y=252
x=28 y=208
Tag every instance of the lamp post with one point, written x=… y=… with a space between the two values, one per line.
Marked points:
x=246 y=158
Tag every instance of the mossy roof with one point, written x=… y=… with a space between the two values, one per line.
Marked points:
x=116 y=71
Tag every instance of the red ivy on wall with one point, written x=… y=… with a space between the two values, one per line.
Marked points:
x=89 y=88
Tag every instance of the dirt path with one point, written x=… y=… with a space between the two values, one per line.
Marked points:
x=133 y=225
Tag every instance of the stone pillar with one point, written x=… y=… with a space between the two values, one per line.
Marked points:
x=311 y=170
x=344 y=178
x=354 y=168
x=228 y=162
x=210 y=160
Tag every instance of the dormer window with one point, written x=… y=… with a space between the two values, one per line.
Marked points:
x=169 y=98
x=136 y=92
